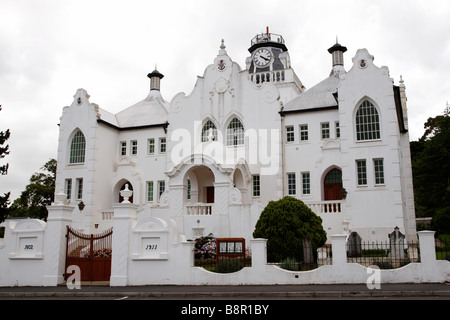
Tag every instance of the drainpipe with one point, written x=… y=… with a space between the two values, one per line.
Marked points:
x=283 y=156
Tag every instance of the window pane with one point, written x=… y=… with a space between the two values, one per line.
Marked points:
x=77 y=148
x=134 y=147
x=325 y=127
x=303 y=132
x=290 y=134
x=123 y=148
x=379 y=171
x=151 y=146
x=235 y=133
x=256 y=186
x=162 y=145
x=306 y=183
x=291 y=183
x=362 y=172
x=150 y=191
x=79 y=188
x=367 y=122
x=209 y=131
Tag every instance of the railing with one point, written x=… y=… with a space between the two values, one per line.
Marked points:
x=199 y=209
x=442 y=246
x=269 y=76
x=267 y=37
x=385 y=255
x=333 y=206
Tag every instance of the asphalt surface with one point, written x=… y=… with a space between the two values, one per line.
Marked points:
x=435 y=291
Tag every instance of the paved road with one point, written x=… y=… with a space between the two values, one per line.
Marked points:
x=207 y=292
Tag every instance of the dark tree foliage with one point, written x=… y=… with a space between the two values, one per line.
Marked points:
x=431 y=167
x=4 y=151
x=38 y=194
x=284 y=223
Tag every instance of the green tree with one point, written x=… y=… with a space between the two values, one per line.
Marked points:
x=4 y=151
x=284 y=223
x=430 y=157
x=38 y=194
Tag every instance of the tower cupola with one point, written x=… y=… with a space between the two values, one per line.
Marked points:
x=337 y=54
x=155 y=79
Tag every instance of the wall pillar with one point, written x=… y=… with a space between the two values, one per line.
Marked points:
x=427 y=247
x=338 y=247
x=124 y=215
x=259 y=252
x=59 y=217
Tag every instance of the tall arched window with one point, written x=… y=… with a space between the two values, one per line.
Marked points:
x=235 y=133
x=209 y=131
x=367 y=122
x=77 y=148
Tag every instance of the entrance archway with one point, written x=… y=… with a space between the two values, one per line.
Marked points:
x=201 y=184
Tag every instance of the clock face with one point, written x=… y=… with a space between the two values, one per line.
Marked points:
x=262 y=57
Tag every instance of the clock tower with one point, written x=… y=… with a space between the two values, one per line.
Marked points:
x=269 y=61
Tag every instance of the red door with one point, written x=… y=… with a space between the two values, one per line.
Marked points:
x=209 y=194
x=333 y=185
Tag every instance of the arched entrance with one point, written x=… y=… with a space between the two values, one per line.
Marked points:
x=332 y=185
x=201 y=184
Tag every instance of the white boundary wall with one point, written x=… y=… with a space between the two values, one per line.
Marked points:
x=149 y=251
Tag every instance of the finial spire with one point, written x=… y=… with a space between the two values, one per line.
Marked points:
x=222 y=46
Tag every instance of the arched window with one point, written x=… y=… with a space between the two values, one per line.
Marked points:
x=77 y=148
x=235 y=133
x=367 y=122
x=209 y=131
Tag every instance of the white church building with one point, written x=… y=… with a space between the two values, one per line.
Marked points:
x=210 y=161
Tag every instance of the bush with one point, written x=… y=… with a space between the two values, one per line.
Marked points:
x=284 y=223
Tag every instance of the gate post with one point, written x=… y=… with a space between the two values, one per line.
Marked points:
x=124 y=215
x=338 y=247
x=59 y=217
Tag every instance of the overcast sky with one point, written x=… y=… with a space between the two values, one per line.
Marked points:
x=50 y=48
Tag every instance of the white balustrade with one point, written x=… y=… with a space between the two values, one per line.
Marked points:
x=200 y=209
x=331 y=206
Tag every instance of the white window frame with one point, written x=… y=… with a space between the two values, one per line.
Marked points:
x=123 y=148
x=306 y=181
x=161 y=188
x=256 y=185
x=378 y=169
x=304 y=132
x=151 y=146
x=150 y=191
x=162 y=145
x=291 y=183
x=290 y=134
x=79 y=190
x=361 y=172
x=324 y=130
x=68 y=188
x=134 y=147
